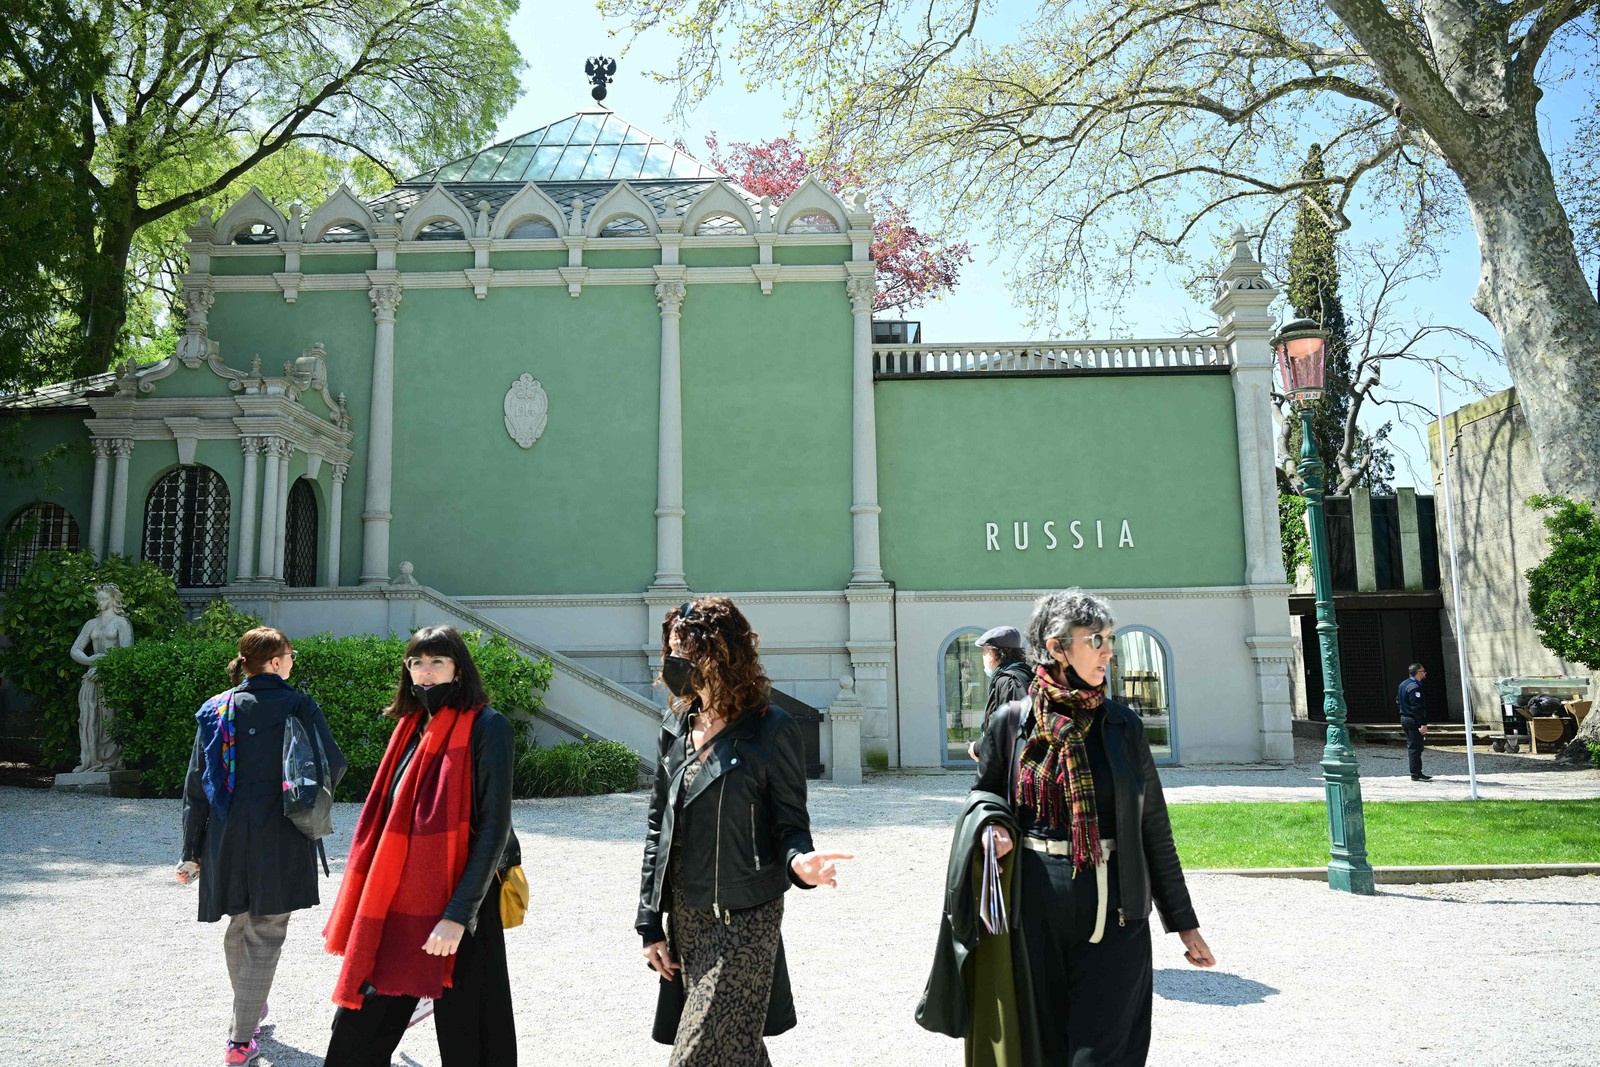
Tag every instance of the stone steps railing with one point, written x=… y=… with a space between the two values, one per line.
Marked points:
x=1046 y=357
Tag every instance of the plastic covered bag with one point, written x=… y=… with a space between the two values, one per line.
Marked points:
x=307 y=782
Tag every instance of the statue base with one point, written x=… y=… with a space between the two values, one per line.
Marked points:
x=100 y=783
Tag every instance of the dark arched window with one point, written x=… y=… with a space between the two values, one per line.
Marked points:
x=300 y=536
x=37 y=528
x=186 y=526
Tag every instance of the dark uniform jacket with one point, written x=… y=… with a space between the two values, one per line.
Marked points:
x=1410 y=700
x=1146 y=855
x=743 y=822
x=254 y=860
x=1010 y=682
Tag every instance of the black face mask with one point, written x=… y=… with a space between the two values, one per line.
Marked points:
x=434 y=697
x=677 y=674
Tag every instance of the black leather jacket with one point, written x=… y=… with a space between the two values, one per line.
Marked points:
x=1146 y=854
x=492 y=846
x=743 y=822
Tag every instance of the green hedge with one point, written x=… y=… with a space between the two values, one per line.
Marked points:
x=42 y=617
x=576 y=768
x=157 y=686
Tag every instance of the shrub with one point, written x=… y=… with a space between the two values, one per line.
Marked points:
x=222 y=621
x=157 y=687
x=1594 y=754
x=877 y=759
x=575 y=768
x=1564 y=588
x=43 y=615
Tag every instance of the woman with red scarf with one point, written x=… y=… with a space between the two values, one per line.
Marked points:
x=1097 y=846
x=416 y=916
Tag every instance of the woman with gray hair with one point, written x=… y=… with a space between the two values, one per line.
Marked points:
x=1076 y=770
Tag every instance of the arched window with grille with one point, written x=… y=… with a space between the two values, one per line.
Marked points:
x=186 y=526
x=39 y=527
x=300 y=536
x=1141 y=678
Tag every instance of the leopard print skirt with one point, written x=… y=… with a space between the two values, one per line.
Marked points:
x=727 y=975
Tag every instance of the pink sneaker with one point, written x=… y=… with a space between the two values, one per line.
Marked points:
x=240 y=1053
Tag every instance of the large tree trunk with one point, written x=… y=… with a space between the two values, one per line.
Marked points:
x=103 y=310
x=1533 y=290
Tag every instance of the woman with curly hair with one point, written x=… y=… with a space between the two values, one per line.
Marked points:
x=727 y=834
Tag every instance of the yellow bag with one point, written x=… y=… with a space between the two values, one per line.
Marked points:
x=513 y=897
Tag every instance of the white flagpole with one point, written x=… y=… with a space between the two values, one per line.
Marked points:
x=1455 y=582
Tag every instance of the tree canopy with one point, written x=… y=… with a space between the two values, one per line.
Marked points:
x=167 y=103
x=1564 y=588
x=1097 y=139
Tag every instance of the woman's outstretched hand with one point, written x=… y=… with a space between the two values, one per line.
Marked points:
x=445 y=939
x=1195 y=949
x=659 y=957
x=817 y=868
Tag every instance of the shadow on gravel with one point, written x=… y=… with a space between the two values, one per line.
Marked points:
x=1461 y=900
x=277 y=1054
x=1211 y=987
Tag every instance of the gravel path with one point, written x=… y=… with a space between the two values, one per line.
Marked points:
x=104 y=962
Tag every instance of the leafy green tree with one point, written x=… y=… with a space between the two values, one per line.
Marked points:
x=1099 y=137
x=181 y=99
x=1296 y=539
x=1564 y=588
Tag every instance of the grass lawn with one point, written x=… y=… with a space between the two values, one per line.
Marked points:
x=1399 y=833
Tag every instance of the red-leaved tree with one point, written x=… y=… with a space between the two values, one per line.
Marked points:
x=913 y=265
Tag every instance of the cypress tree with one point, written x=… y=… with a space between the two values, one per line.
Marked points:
x=1314 y=294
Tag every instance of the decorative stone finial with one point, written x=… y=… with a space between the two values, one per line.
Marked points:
x=407 y=574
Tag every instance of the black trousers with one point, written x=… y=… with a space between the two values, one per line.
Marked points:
x=1092 y=1002
x=472 y=1020
x=1414 y=743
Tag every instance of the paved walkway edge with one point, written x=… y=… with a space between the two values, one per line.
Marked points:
x=1420 y=875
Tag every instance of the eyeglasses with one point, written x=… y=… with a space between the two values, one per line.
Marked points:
x=415 y=663
x=291 y=654
x=1098 y=641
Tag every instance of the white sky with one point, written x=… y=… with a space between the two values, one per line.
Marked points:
x=981 y=308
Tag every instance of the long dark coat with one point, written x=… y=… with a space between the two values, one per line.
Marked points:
x=254 y=860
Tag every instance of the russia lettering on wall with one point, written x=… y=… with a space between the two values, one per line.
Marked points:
x=1076 y=529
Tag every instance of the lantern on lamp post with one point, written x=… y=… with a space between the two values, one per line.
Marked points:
x=1301 y=349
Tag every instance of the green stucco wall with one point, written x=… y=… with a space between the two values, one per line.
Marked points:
x=575 y=513
x=802 y=255
x=620 y=258
x=67 y=478
x=1159 y=451
x=434 y=261
x=766 y=412
x=527 y=260
x=337 y=262
x=719 y=257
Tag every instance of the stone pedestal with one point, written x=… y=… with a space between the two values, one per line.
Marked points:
x=100 y=783
x=844 y=734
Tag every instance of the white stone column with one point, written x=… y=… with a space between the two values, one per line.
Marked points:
x=280 y=530
x=844 y=733
x=251 y=447
x=117 y=540
x=670 y=293
x=867 y=570
x=335 y=520
x=269 y=506
x=97 y=496
x=1244 y=329
x=376 y=516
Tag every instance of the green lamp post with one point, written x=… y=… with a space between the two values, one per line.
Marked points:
x=1301 y=352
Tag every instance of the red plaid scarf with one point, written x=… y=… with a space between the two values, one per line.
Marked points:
x=403 y=868
x=1053 y=770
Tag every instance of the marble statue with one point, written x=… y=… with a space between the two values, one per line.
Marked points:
x=107 y=630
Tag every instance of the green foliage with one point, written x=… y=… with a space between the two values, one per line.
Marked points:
x=43 y=615
x=1296 y=539
x=1594 y=754
x=221 y=621
x=158 y=686
x=877 y=759
x=575 y=769
x=1564 y=589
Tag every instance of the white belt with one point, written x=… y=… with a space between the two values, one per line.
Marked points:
x=1102 y=884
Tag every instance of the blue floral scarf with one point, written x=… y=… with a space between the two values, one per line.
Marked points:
x=215 y=718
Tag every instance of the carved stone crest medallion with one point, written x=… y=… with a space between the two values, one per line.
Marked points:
x=527 y=410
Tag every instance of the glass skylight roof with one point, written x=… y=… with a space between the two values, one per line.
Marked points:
x=588 y=146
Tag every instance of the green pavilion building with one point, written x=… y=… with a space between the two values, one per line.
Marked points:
x=553 y=388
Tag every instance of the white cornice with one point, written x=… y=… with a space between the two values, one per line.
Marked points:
x=1201 y=592
x=512 y=279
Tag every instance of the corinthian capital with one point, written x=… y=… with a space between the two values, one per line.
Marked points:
x=669 y=296
x=385 y=299
x=862 y=290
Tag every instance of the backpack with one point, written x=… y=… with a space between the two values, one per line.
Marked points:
x=308 y=782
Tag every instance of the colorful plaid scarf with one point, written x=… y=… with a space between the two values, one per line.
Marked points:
x=404 y=865
x=1053 y=770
